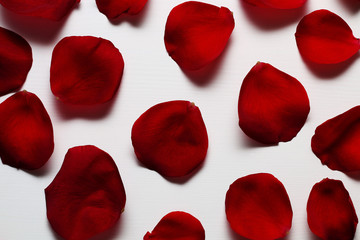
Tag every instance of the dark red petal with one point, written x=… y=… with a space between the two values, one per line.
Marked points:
x=258 y=207
x=85 y=70
x=87 y=195
x=330 y=211
x=48 y=9
x=114 y=8
x=26 y=132
x=196 y=33
x=15 y=61
x=336 y=142
x=170 y=138
x=324 y=37
x=273 y=106
x=279 y=4
x=177 y=226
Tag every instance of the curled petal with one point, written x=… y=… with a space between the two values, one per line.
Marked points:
x=26 y=132
x=170 y=138
x=330 y=211
x=258 y=201
x=53 y=10
x=279 y=4
x=85 y=70
x=15 y=61
x=324 y=37
x=87 y=195
x=336 y=141
x=177 y=226
x=115 y=8
x=196 y=33
x=273 y=106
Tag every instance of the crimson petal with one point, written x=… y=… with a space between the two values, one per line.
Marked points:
x=26 y=132
x=273 y=106
x=177 y=226
x=115 y=8
x=87 y=195
x=336 y=141
x=279 y=4
x=330 y=211
x=85 y=70
x=258 y=207
x=324 y=37
x=15 y=61
x=53 y=10
x=196 y=33
x=170 y=138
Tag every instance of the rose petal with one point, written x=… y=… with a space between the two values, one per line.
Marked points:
x=177 y=226
x=324 y=37
x=196 y=33
x=170 y=138
x=330 y=211
x=87 y=195
x=15 y=61
x=279 y=4
x=115 y=8
x=85 y=70
x=336 y=142
x=273 y=106
x=26 y=132
x=53 y=10
x=258 y=207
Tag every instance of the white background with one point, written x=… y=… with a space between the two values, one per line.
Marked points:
x=150 y=77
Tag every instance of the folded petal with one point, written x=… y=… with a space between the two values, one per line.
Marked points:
x=53 y=10
x=279 y=4
x=257 y=207
x=336 y=142
x=177 y=226
x=330 y=211
x=85 y=70
x=87 y=195
x=115 y=8
x=273 y=106
x=324 y=37
x=196 y=33
x=15 y=61
x=170 y=138
x=26 y=132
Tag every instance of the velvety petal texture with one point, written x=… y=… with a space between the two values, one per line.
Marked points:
x=257 y=207
x=273 y=106
x=170 y=138
x=177 y=226
x=49 y=9
x=85 y=70
x=336 y=142
x=330 y=211
x=15 y=61
x=115 y=8
x=196 y=33
x=87 y=195
x=26 y=132
x=324 y=37
x=278 y=4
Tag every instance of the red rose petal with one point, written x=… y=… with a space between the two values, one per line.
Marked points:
x=336 y=142
x=258 y=207
x=115 y=8
x=26 y=132
x=324 y=37
x=330 y=211
x=85 y=70
x=87 y=195
x=279 y=4
x=196 y=33
x=170 y=138
x=273 y=106
x=177 y=226
x=48 y=9
x=15 y=61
